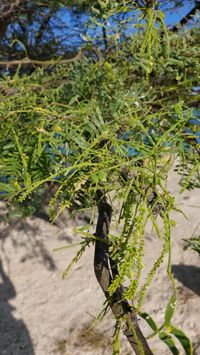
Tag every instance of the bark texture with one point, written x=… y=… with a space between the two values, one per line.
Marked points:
x=106 y=271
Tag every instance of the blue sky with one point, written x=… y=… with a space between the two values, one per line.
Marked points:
x=74 y=34
x=72 y=27
x=172 y=17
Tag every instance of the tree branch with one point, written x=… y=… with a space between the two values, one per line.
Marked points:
x=7 y=8
x=27 y=60
x=187 y=18
x=43 y=26
x=106 y=271
x=105 y=39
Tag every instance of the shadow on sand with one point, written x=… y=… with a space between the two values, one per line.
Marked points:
x=22 y=235
x=27 y=238
x=189 y=275
x=14 y=336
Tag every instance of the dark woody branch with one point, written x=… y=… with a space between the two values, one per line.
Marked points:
x=106 y=271
x=186 y=18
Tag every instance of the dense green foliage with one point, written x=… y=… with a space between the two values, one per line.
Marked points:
x=113 y=124
x=84 y=123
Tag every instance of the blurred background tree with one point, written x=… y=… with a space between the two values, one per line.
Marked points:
x=46 y=29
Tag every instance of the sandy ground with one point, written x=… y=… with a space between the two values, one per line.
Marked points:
x=42 y=314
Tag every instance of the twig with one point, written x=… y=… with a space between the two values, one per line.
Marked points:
x=7 y=9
